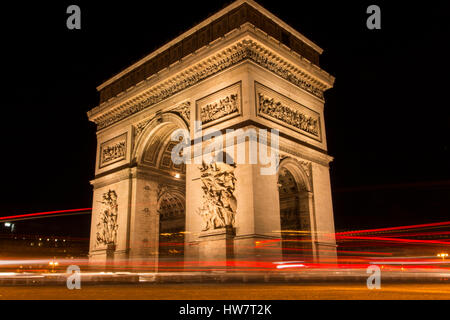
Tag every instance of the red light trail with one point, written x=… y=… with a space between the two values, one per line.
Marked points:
x=428 y=225
x=43 y=214
x=393 y=240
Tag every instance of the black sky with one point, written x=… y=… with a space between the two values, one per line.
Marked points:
x=387 y=118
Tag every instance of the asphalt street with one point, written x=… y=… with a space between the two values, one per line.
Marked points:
x=230 y=292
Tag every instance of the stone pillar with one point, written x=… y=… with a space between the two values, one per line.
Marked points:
x=103 y=258
x=257 y=219
x=119 y=184
x=193 y=220
x=306 y=205
x=325 y=243
x=217 y=245
x=258 y=215
x=144 y=223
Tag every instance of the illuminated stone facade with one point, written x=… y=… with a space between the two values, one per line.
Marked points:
x=242 y=68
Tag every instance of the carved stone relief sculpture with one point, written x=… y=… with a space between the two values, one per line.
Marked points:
x=107 y=225
x=140 y=127
x=184 y=110
x=220 y=106
x=220 y=109
x=219 y=203
x=113 y=151
x=273 y=106
x=277 y=110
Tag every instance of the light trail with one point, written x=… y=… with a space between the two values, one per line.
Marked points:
x=45 y=214
x=428 y=225
x=386 y=239
x=299 y=258
x=290 y=266
x=417 y=234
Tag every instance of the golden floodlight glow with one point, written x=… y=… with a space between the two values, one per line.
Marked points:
x=237 y=97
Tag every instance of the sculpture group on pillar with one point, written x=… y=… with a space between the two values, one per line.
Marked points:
x=219 y=203
x=107 y=226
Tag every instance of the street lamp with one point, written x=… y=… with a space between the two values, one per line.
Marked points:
x=53 y=264
x=442 y=255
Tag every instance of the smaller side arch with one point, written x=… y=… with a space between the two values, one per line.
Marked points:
x=297 y=217
x=166 y=192
x=296 y=169
x=172 y=226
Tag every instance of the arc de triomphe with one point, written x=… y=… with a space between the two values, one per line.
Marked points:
x=242 y=69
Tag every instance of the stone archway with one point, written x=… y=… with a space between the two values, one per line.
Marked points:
x=159 y=192
x=239 y=79
x=153 y=134
x=172 y=228
x=296 y=211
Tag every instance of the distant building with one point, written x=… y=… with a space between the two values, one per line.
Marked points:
x=62 y=237
x=14 y=245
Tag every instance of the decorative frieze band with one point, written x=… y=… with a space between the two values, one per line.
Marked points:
x=113 y=151
x=244 y=50
x=237 y=18
x=275 y=107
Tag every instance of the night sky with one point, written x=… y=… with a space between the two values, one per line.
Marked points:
x=387 y=117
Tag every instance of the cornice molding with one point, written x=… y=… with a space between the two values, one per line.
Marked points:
x=233 y=6
x=246 y=49
x=112 y=178
x=289 y=148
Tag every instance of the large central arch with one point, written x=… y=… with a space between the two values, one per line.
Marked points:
x=166 y=182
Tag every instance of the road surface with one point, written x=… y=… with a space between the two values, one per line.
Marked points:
x=231 y=292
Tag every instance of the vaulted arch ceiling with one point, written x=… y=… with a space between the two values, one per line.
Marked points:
x=158 y=151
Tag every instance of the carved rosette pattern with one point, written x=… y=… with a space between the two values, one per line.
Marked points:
x=245 y=50
x=219 y=203
x=107 y=226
